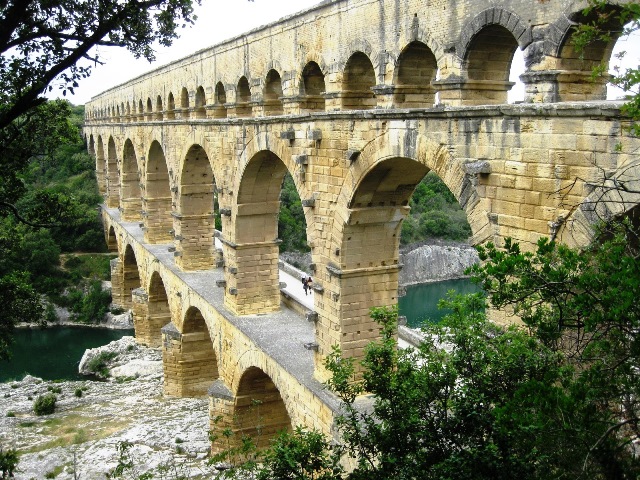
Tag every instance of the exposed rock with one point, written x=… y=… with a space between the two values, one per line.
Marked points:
x=124 y=358
x=124 y=321
x=84 y=432
x=432 y=263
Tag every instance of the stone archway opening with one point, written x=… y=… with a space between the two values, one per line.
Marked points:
x=112 y=241
x=220 y=100
x=171 y=107
x=259 y=411
x=415 y=71
x=575 y=78
x=157 y=219
x=243 y=98
x=272 y=95
x=488 y=65
x=194 y=223
x=113 y=176
x=149 y=111
x=189 y=360
x=312 y=88
x=101 y=165
x=131 y=196
x=251 y=257
x=158 y=115
x=184 y=103
x=200 y=103
x=130 y=276
x=358 y=80
x=148 y=324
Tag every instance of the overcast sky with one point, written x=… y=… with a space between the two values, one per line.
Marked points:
x=219 y=20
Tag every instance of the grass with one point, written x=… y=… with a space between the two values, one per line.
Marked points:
x=72 y=429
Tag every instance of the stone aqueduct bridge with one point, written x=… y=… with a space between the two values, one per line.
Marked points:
x=358 y=100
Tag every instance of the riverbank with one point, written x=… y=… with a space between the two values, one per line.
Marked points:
x=83 y=435
x=122 y=321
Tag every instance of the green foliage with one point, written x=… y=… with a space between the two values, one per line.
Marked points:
x=42 y=45
x=78 y=392
x=292 y=227
x=98 y=364
x=90 y=303
x=8 y=463
x=435 y=213
x=20 y=302
x=45 y=404
x=300 y=455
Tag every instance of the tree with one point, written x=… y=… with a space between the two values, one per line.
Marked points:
x=43 y=42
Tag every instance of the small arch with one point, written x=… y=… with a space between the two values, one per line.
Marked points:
x=184 y=102
x=159 y=108
x=259 y=411
x=122 y=111
x=415 y=71
x=272 y=95
x=220 y=99
x=131 y=275
x=575 y=77
x=313 y=87
x=488 y=64
x=243 y=97
x=128 y=110
x=357 y=81
x=200 y=102
x=171 y=107
x=149 y=109
x=140 y=110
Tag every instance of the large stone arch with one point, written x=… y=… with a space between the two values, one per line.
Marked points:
x=157 y=219
x=101 y=164
x=113 y=175
x=259 y=409
x=156 y=314
x=130 y=276
x=194 y=217
x=251 y=250
x=188 y=355
x=131 y=196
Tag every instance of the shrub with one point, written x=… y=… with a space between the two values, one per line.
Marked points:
x=10 y=414
x=45 y=404
x=54 y=389
x=78 y=392
x=98 y=364
x=8 y=462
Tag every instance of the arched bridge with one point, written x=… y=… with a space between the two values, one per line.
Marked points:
x=358 y=100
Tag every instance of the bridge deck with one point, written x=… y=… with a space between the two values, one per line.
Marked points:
x=280 y=335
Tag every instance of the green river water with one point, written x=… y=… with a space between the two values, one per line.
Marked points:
x=54 y=353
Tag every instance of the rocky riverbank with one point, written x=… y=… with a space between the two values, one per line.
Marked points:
x=435 y=261
x=92 y=418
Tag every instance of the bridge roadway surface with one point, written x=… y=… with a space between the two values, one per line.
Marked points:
x=280 y=335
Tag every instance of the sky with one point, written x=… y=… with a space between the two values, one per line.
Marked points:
x=219 y=20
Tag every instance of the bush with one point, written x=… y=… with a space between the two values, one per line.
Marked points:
x=8 y=462
x=98 y=364
x=78 y=392
x=45 y=404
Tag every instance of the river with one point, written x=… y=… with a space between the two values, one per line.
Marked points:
x=53 y=353
x=420 y=304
